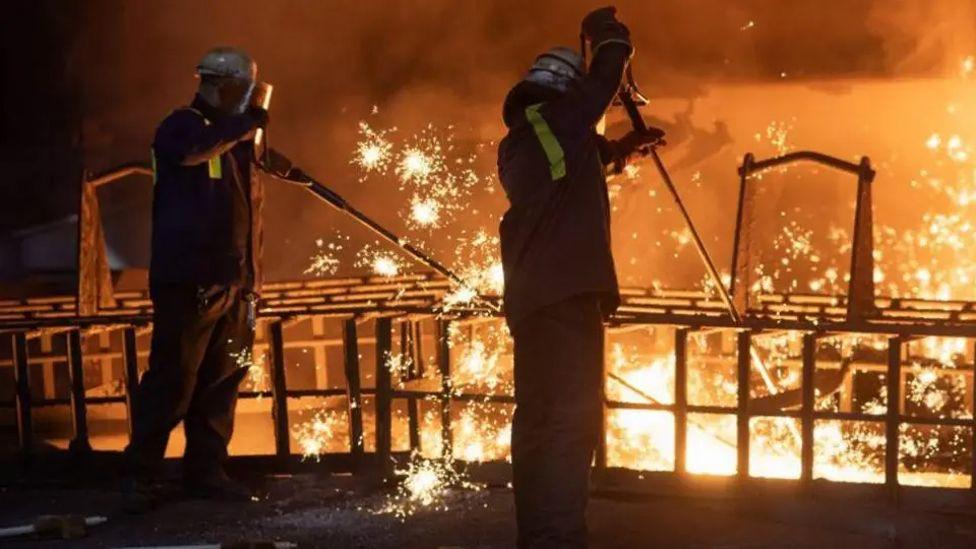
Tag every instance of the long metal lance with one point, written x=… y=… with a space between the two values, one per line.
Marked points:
x=626 y=96
x=723 y=292
x=338 y=202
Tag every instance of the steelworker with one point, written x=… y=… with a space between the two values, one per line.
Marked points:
x=203 y=274
x=560 y=283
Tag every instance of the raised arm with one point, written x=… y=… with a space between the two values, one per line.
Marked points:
x=187 y=138
x=611 y=51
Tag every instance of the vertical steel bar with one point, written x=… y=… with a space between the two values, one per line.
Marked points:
x=740 y=244
x=409 y=351
x=79 y=409
x=25 y=424
x=418 y=341
x=402 y=326
x=972 y=411
x=742 y=409
x=350 y=347
x=972 y=423
x=860 y=287
x=413 y=417
x=130 y=360
x=680 y=400
x=384 y=401
x=600 y=460
x=444 y=364
x=279 y=402
x=892 y=416
x=806 y=411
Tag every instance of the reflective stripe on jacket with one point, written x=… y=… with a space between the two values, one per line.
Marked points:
x=206 y=219
x=555 y=235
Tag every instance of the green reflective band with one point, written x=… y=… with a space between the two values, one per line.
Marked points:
x=213 y=166
x=152 y=160
x=554 y=151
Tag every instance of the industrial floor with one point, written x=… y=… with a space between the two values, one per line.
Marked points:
x=341 y=511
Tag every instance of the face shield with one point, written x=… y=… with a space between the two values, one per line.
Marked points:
x=246 y=99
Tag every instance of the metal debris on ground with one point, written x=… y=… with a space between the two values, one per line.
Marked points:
x=63 y=526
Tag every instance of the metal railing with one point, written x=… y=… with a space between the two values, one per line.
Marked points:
x=392 y=304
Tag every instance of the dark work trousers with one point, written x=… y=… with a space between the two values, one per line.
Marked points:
x=558 y=414
x=193 y=377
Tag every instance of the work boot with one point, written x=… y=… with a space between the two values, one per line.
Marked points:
x=217 y=486
x=142 y=496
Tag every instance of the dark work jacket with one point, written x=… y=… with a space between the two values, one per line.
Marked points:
x=555 y=236
x=206 y=219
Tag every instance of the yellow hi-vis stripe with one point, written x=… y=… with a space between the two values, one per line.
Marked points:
x=214 y=168
x=152 y=160
x=551 y=146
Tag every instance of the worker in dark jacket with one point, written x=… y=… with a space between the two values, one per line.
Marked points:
x=560 y=282
x=204 y=270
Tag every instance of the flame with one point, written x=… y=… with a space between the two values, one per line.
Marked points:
x=928 y=261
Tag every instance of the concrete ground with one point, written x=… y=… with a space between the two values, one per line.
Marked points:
x=317 y=510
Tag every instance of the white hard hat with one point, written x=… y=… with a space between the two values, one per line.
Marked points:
x=556 y=68
x=228 y=62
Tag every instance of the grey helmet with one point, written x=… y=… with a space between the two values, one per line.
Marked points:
x=557 y=68
x=229 y=63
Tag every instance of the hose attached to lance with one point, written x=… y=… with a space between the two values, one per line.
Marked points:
x=338 y=202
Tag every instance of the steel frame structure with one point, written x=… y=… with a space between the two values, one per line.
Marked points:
x=395 y=304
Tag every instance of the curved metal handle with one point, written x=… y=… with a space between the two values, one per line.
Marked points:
x=119 y=172
x=864 y=170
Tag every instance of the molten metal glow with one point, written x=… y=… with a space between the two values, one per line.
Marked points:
x=425 y=213
x=378 y=261
x=385 y=265
x=374 y=150
x=321 y=433
x=257 y=378
x=426 y=485
x=415 y=165
x=932 y=260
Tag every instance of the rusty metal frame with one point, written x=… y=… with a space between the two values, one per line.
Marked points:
x=384 y=394
x=860 y=293
x=409 y=297
x=94 y=277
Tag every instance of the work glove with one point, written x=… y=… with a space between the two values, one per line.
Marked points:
x=276 y=163
x=601 y=27
x=259 y=115
x=298 y=176
x=635 y=141
x=632 y=146
x=280 y=166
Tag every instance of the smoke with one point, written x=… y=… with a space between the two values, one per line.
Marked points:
x=450 y=63
x=925 y=37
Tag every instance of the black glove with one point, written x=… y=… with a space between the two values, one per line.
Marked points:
x=259 y=115
x=634 y=141
x=602 y=27
x=298 y=176
x=276 y=163
x=618 y=154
